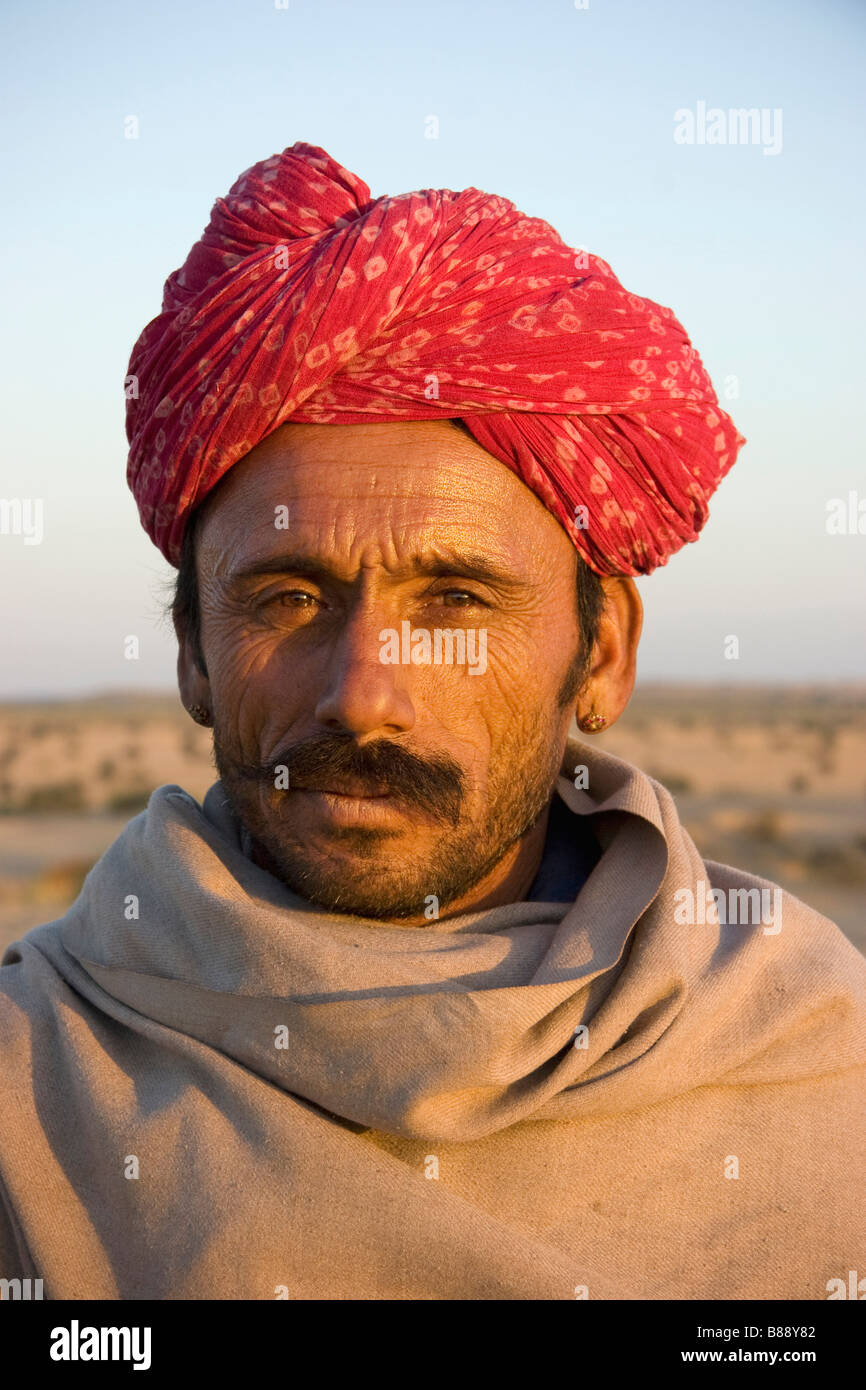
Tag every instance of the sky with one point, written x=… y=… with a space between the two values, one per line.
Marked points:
x=569 y=112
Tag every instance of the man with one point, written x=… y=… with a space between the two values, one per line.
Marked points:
x=428 y=999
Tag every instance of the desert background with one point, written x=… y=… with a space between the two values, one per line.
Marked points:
x=771 y=779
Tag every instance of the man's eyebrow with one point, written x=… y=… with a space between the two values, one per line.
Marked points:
x=440 y=564
x=472 y=564
x=292 y=562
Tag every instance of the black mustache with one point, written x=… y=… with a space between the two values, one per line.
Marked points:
x=435 y=784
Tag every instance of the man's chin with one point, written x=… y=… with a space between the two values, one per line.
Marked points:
x=357 y=872
x=368 y=890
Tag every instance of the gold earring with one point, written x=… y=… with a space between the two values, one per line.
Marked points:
x=592 y=723
x=200 y=714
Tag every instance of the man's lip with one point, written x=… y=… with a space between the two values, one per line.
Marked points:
x=356 y=789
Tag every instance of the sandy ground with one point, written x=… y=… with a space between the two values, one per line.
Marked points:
x=773 y=781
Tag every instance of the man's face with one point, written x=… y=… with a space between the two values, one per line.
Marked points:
x=406 y=778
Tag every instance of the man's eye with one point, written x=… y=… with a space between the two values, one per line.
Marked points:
x=461 y=598
x=293 y=598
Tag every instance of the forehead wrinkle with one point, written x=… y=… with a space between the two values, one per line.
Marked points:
x=395 y=510
x=432 y=560
x=400 y=468
x=399 y=555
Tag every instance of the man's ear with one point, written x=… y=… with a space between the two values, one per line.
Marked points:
x=192 y=682
x=608 y=686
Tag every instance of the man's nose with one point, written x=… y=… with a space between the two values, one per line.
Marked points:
x=363 y=694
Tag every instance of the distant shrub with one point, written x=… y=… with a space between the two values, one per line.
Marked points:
x=128 y=803
x=799 y=783
x=676 y=783
x=54 y=796
x=106 y=770
x=765 y=827
x=839 y=864
x=63 y=880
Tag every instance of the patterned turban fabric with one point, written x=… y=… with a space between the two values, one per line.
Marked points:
x=308 y=300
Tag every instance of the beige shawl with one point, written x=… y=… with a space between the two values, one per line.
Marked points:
x=212 y=1089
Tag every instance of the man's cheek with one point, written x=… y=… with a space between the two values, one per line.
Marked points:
x=253 y=663
x=502 y=693
x=251 y=690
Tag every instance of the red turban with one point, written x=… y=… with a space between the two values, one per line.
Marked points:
x=308 y=300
